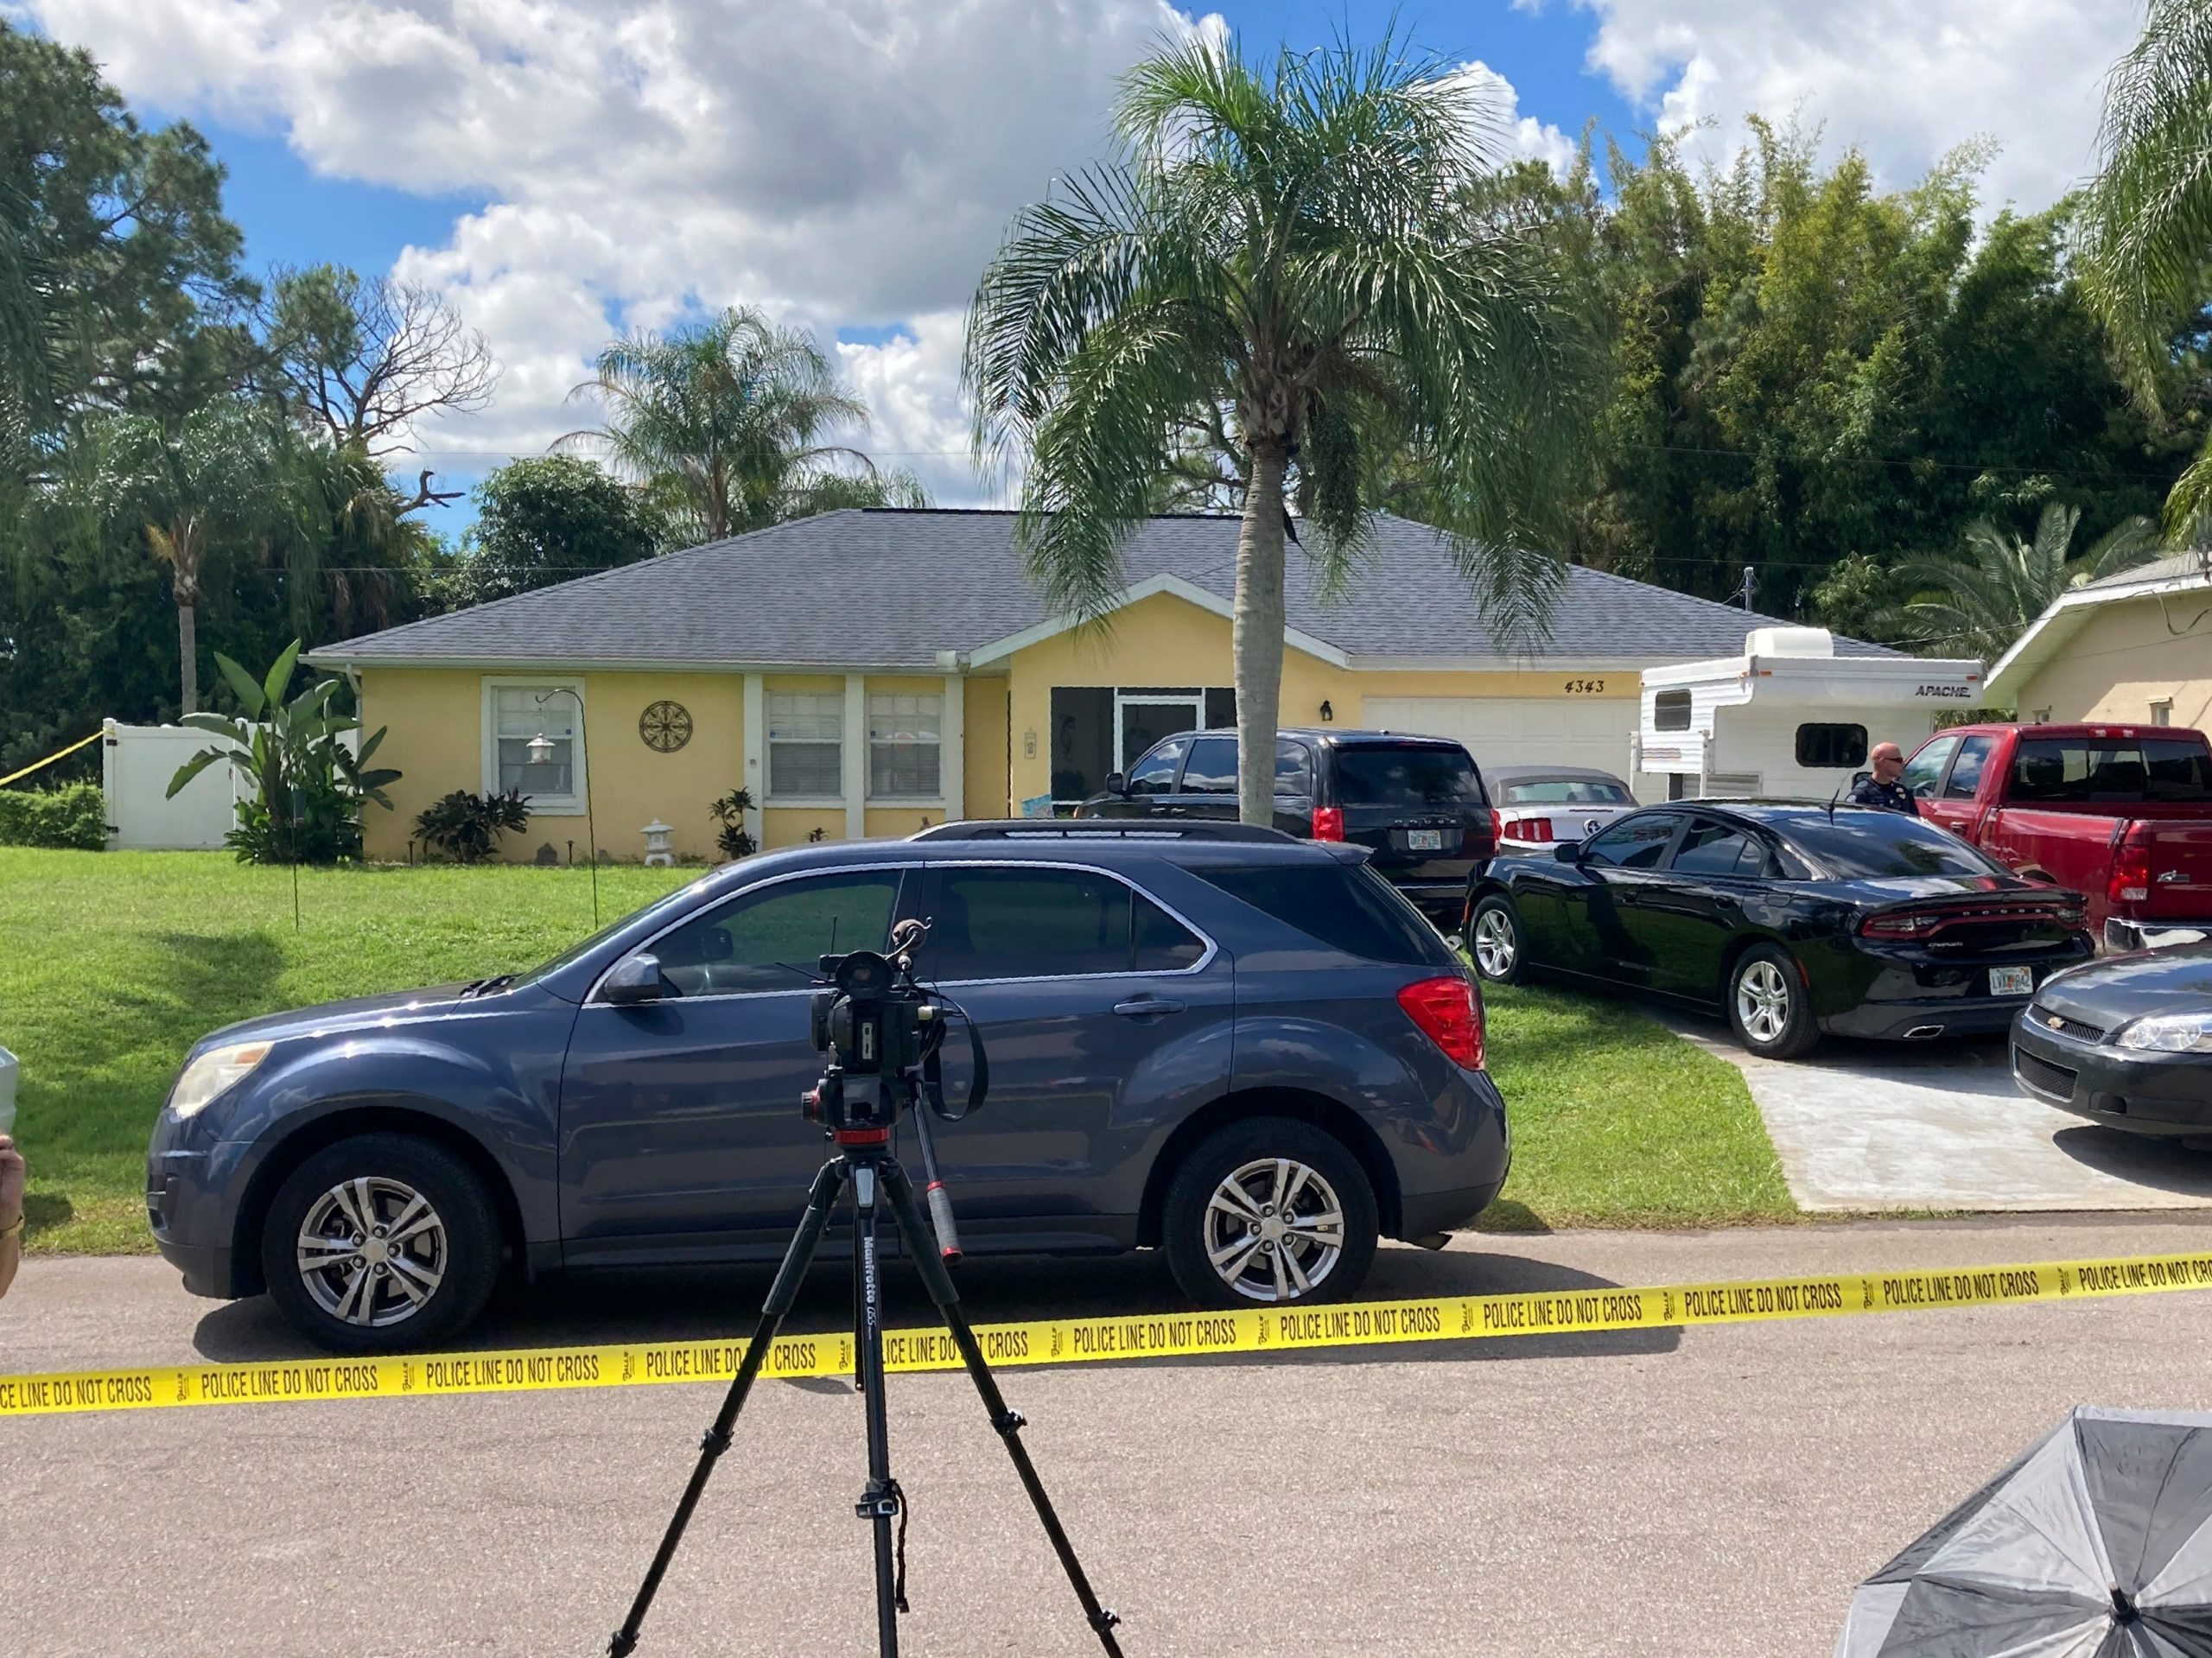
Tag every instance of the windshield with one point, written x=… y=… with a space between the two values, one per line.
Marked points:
x=1567 y=792
x=1371 y=775
x=1873 y=845
x=583 y=947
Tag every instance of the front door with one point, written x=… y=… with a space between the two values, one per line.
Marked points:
x=1953 y=804
x=1604 y=922
x=1102 y=1016
x=1687 y=919
x=1142 y=718
x=681 y=1137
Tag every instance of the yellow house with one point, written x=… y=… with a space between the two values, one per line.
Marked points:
x=2135 y=649
x=869 y=672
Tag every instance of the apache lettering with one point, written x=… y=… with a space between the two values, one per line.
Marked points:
x=1955 y=693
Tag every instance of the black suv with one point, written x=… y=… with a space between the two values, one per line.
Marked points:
x=1417 y=804
x=1246 y=1051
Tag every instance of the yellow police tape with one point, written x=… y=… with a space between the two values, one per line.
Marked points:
x=1076 y=1341
x=58 y=754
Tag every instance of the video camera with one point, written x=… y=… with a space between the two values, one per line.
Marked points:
x=883 y=1033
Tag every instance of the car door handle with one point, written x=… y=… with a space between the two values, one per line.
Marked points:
x=1147 y=1007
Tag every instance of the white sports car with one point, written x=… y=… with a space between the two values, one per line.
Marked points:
x=1539 y=806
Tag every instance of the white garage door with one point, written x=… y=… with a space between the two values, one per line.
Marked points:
x=1518 y=730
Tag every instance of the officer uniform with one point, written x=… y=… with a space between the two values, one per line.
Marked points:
x=1870 y=790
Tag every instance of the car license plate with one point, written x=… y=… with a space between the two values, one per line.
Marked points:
x=1424 y=840
x=2010 y=981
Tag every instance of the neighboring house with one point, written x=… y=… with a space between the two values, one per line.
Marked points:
x=2134 y=648
x=866 y=672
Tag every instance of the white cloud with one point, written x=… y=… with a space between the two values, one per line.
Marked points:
x=1524 y=134
x=844 y=164
x=1905 y=80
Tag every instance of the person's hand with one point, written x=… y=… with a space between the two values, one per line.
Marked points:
x=13 y=1174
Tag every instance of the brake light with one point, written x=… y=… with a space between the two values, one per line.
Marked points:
x=1328 y=822
x=1447 y=1013
x=1901 y=924
x=2130 y=869
x=1529 y=829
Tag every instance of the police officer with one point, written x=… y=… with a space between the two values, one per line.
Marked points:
x=1882 y=788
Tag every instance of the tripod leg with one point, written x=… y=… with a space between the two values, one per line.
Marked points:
x=938 y=1283
x=882 y=1500
x=781 y=1294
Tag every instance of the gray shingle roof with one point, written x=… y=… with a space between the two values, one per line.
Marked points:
x=2171 y=568
x=883 y=588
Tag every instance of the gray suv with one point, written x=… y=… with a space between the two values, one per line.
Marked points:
x=1248 y=1051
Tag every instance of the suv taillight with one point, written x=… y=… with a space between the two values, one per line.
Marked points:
x=1448 y=1015
x=1328 y=822
x=2130 y=869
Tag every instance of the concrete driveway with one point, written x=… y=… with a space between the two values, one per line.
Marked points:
x=1715 y=1491
x=1869 y=1126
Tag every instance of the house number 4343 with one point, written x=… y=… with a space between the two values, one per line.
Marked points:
x=1584 y=687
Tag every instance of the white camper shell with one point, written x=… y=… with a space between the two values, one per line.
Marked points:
x=1789 y=716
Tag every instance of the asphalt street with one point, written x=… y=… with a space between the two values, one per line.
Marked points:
x=1716 y=1491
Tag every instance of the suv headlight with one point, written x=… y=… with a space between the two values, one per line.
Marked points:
x=212 y=1072
x=2170 y=1033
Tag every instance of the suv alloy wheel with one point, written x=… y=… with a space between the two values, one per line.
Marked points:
x=1269 y=1211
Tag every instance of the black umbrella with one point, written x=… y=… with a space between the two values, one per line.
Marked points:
x=2097 y=1543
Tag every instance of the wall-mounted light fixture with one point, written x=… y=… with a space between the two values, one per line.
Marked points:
x=1327 y=712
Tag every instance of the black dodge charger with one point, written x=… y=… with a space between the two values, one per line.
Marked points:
x=2126 y=1042
x=1794 y=918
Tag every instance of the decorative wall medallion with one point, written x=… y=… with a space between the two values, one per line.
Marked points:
x=667 y=726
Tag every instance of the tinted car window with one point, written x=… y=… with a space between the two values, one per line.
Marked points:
x=1293 y=769
x=1372 y=774
x=1715 y=848
x=1567 y=792
x=2118 y=768
x=1155 y=773
x=1350 y=908
x=1213 y=767
x=756 y=940
x=1925 y=769
x=1859 y=845
x=1635 y=844
x=1966 y=770
x=1026 y=923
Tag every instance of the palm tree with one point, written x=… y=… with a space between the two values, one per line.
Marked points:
x=722 y=421
x=341 y=532
x=2147 y=224
x=1981 y=599
x=1279 y=270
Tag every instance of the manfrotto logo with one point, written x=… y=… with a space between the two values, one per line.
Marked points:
x=1959 y=693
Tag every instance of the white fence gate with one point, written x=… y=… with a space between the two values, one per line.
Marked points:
x=136 y=763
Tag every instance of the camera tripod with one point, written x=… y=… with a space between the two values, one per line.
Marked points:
x=864 y=1161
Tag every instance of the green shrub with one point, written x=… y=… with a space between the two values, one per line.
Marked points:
x=466 y=826
x=73 y=817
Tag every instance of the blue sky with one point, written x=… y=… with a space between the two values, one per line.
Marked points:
x=563 y=168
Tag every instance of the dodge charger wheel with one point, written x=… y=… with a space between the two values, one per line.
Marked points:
x=1269 y=1211
x=1494 y=940
x=1769 y=1007
x=382 y=1243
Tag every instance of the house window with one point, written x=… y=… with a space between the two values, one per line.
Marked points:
x=549 y=715
x=2162 y=713
x=905 y=742
x=1831 y=748
x=1670 y=711
x=807 y=744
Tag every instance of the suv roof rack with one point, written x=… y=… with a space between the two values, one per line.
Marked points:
x=1100 y=828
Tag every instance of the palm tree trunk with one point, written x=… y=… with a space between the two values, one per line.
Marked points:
x=188 y=649
x=1255 y=639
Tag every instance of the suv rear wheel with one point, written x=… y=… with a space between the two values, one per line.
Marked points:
x=1269 y=1211
x=382 y=1243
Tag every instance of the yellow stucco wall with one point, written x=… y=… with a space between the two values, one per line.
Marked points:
x=1167 y=640
x=436 y=738
x=2125 y=657
x=985 y=771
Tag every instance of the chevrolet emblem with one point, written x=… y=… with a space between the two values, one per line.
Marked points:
x=2055 y=1021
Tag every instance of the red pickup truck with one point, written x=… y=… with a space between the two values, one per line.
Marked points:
x=2120 y=814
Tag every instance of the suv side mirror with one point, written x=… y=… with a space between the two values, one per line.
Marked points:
x=1117 y=784
x=635 y=980
x=1567 y=852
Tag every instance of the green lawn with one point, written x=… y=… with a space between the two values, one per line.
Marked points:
x=112 y=963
